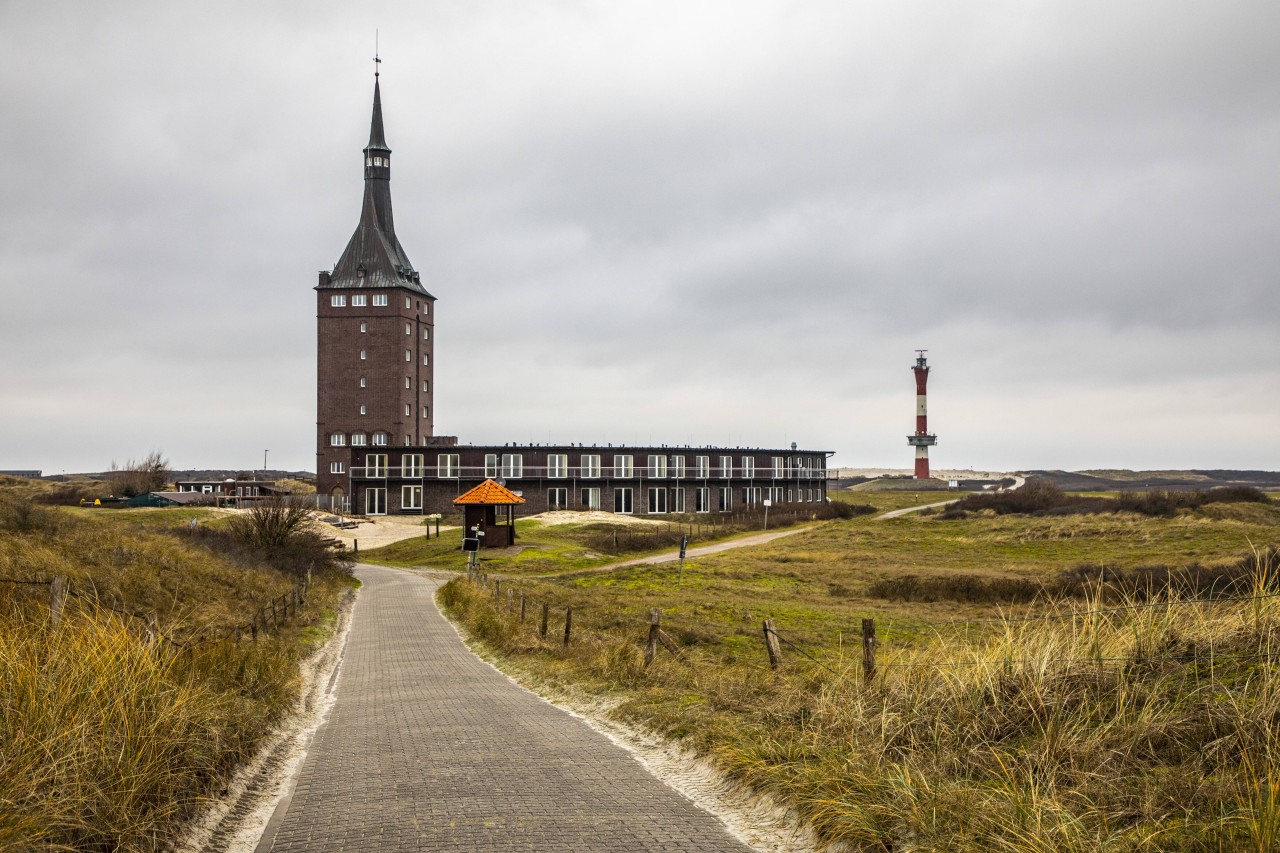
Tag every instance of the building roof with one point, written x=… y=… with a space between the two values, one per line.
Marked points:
x=488 y=493
x=374 y=257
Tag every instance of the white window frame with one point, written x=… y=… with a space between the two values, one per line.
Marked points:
x=726 y=466
x=624 y=465
x=589 y=468
x=359 y=300
x=657 y=500
x=337 y=468
x=491 y=466
x=358 y=439
x=375 y=500
x=512 y=466
x=408 y=355
x=657 y=467
x=725 y=499
x=591 y=498
x=379 y=439
x=702 y=467
x=363 y=383
x=677 y=499
x=624 y=501
x=779 y=467
x=338 y=439
x=379 y=300
x=408 y=328
x=748 y=467
x=676 y=467
x=702 y=499
x=447 y=467
x=411 y=465
x=338 y=300
x=375 y=465
x=558 y=498
x=411 y=497
x=557 y=465
x=364 y=354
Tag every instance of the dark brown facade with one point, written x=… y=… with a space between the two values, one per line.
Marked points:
x=630 y=480
x=375 y=334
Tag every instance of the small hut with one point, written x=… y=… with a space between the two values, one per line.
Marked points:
x=482 y=508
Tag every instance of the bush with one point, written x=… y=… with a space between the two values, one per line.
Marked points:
x=280 y=531
x=21 y=515
x=840 y=509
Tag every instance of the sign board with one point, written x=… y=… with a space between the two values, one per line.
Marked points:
x=768 y=502
x=470 y=544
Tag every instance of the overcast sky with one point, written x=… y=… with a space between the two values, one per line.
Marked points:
x=669 y=222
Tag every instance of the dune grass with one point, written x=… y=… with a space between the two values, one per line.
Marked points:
x=109 y=741
x=1148 y=728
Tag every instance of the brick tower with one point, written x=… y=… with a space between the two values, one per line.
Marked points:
x=374 y=334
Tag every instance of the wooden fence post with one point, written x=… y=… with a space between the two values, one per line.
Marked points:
x=771 y=645
x=651 y=650
x=522 y=607
x=546 y=608
x=355 y=547
x=868 y=650
x=57 y=599
x=568 y=625
x=497 y=593
x=511 y=593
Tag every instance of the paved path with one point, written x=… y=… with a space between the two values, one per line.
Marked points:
x=690 y=553
x=429 y=748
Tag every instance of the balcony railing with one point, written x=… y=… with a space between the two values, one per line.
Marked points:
x=530 y=472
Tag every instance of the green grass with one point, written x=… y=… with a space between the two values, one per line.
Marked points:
x=982 y=754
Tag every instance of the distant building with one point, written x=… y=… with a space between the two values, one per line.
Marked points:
x=230 y=490
x=29 y=475
x=376 y=451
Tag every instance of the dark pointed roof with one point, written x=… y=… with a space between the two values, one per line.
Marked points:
x=374 y=256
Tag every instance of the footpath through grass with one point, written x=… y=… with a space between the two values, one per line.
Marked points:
x=113 y=740
x=1111 y=725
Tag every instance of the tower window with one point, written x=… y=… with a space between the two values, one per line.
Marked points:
x=359 y=300
x=380 y=439
x=379 y=299
x=357 y=439
x=426 y=360
x=335 y=468
x=426 y=334
x=361 y=381
x=364 y=327
x=338 y=439
x=408 y=383
x=363 y=355
x=426 y=308
x=408 y=329
x=338 y=300
x=408 y=356
x=408 y=303
x=426 y=386
x=407 y=410
x=362 y=408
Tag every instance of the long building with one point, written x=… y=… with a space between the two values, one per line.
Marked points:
x=376 y=449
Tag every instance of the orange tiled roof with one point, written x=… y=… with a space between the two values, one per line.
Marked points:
x=489 y=493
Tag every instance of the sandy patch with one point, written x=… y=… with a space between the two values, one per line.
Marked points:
x=564 y=516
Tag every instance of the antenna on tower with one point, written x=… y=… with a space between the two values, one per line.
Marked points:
x=376 y=61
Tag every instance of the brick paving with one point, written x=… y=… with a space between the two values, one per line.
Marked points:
x=429 y=748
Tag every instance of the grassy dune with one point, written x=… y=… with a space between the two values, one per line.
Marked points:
x=1138 y=728
x=107 y=741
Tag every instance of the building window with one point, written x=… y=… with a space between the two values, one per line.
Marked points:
x=375 y=501
x=338 y=439
x=338 y=300
x=380 y=439
x=426 y=386
x=748 y=466
x=726 y=499
x=677 y=467
x=363 y=355
x=657 y=501
x=359 y=300
x=411 y=497
x=751 y=495
x=336 y=468
x=364 y=327
x=590 y=466
x=411 y=465
x=702 y=467
x=426 y=410
x=362 y=409
x=408 y=440
x=408 y=303
x=426 y=334
x=408 y=410
x=362 y=382
x=426 y=361
x=622 y=501
x=408 y=355
x=557 y=498
x=658 y=468
x=408 y=383
x=408 y=328
x=557 y=465
x=624 y=466
x=447 y=465
x=591 y=498
x=779 y=467
x=677 y=500
x=426 y=307
x=512 y=465
x=379 y=299
x=357 y=439
x=491 y=465
x=702 y=499
x=726 y=466
x=375 y=465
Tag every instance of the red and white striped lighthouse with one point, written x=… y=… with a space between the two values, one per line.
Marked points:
x=922 y=440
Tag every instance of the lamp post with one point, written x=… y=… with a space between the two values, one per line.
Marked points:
x=264 y=463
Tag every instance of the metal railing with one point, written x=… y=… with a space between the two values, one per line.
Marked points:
x=542 y=472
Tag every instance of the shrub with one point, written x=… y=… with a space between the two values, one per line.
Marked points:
x=21 y=515
x=840 y=509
